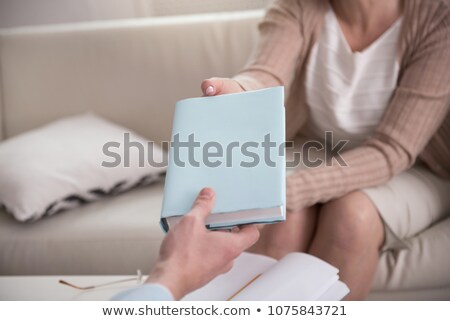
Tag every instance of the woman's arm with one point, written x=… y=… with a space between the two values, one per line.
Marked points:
x=273 y=61
x=417 y=109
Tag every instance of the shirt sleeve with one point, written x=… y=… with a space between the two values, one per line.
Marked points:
x=147 y=292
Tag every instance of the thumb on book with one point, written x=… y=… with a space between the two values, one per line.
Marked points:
x=219 y=86
x=204 y=203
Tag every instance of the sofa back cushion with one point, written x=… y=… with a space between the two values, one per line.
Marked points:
x=131 y=72
x=1 y=108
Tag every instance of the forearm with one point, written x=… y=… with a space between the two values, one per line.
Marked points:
x=368 y=165
x=257 y=78
x=276 y=54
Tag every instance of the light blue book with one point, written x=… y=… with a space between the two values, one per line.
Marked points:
x=234 y=144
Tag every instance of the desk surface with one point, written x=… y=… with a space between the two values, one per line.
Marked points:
x=47 y=288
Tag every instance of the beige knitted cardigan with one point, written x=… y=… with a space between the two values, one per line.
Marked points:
x=415 y=124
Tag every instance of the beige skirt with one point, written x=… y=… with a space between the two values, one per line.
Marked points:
x=409 y=203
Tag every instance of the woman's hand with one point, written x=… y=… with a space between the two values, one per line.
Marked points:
x=191 y=256
x=220 y=86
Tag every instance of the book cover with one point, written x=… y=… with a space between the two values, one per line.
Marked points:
x=234 y=144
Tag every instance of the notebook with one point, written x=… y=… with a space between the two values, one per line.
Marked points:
x=234 y=144
x=296 y=277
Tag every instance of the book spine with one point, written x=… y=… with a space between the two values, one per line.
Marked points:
x=164 y=225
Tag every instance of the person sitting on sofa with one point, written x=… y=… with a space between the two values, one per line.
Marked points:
x=191 y=256
x=375 y=74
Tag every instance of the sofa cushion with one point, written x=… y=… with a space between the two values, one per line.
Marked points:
x=116 y=235
x=424 y=264
x=69 y=162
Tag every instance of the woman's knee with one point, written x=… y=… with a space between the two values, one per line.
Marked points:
x=352 y=222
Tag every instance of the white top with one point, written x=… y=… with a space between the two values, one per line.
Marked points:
x=347 y=92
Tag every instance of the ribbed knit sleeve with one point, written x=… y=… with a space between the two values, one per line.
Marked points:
x=417 y=109
x=273 y=61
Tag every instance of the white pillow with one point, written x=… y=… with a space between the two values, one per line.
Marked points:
x=61 y=165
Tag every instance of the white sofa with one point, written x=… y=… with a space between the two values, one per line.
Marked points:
x=132 y=72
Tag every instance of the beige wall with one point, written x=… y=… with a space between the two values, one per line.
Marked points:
x=35 y=12
x=15 y=13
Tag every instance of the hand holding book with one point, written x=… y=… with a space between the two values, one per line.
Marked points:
x=220 y=86
x=191 y=256
x=233 y=143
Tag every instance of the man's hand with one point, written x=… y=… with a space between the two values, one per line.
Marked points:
x=191 y=256
x=220 y=86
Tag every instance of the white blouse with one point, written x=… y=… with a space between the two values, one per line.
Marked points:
x=347 y=92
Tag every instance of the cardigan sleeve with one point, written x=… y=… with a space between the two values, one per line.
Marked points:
x=273 y=61
x=418 y=107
